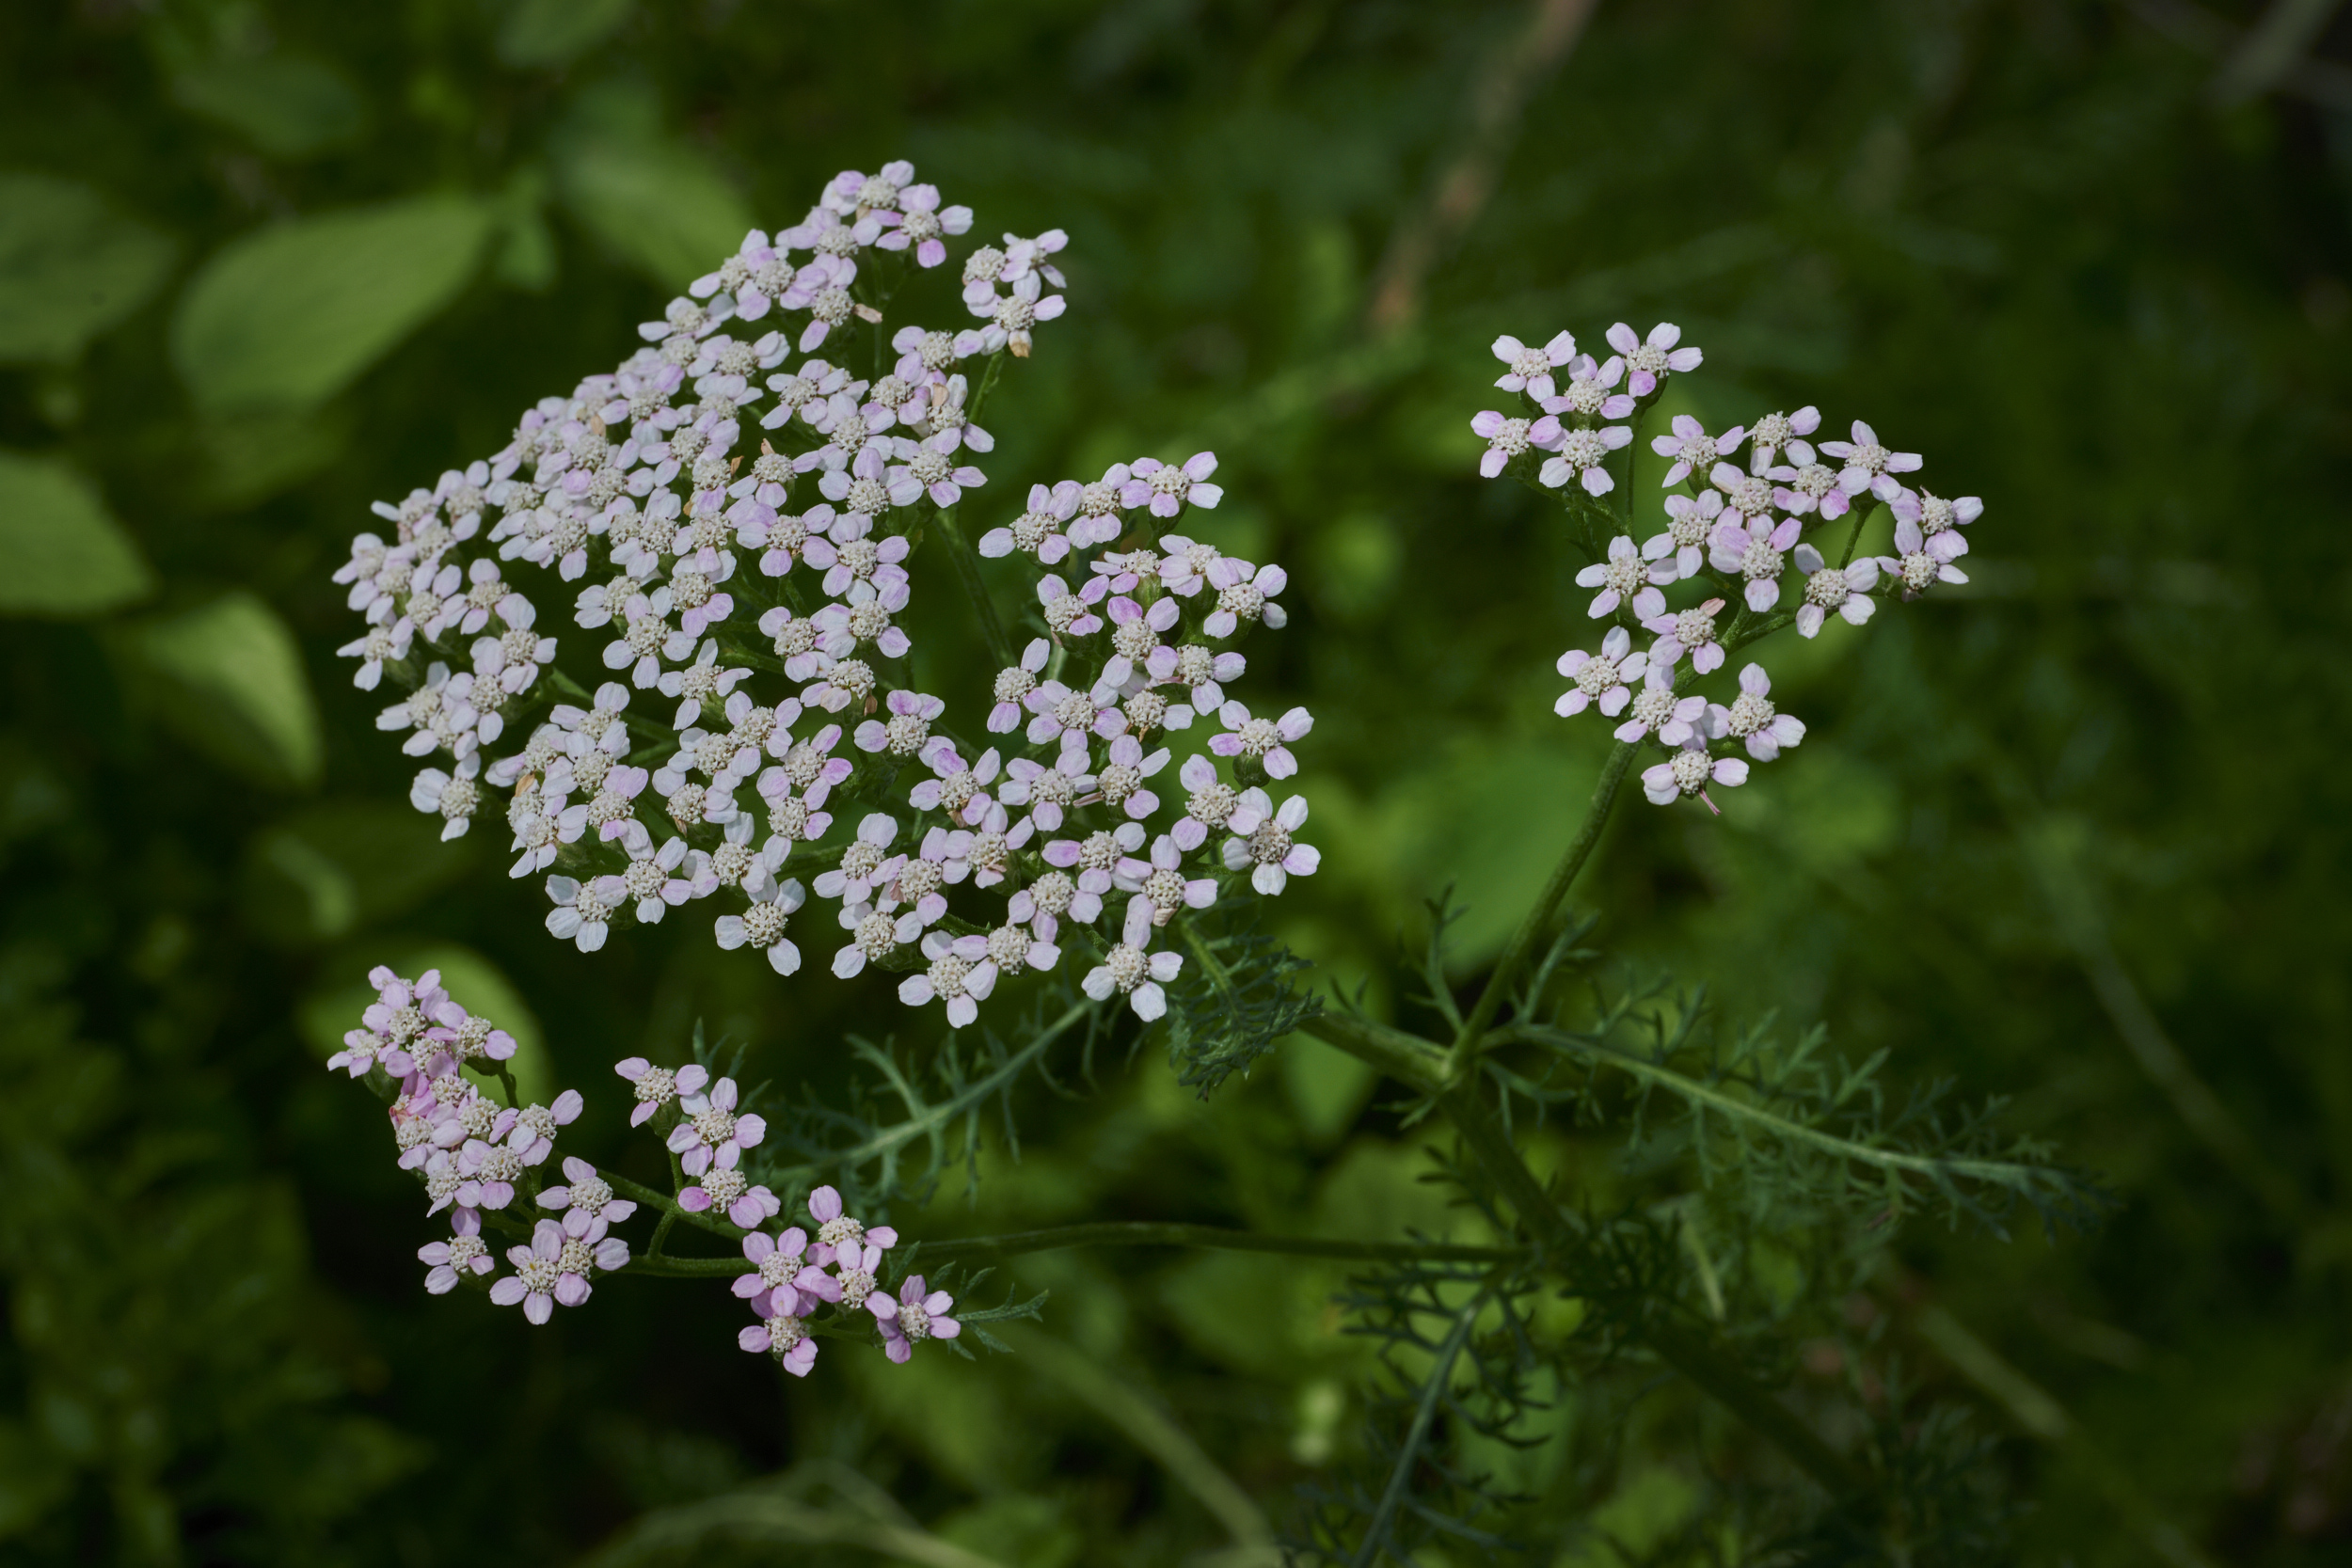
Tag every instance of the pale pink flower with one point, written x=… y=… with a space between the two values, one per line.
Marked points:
x=587 y=1192
x=1132 y=970
x=1759 y=552
x=531 y=1135
x=1920 y=562
x=1271 y=852
x=1693 y=449
x=1752 y=719
x=1166 y=488
x=1097 y=520
x=1657 y=709
x=1775 y=431
x=1136 y=634
x=957 y=789
x=781 y=1333
x=584 y=910
x=725 y=1188
x=464 y=1253
x=1529 y=369
x=1266 y=739
x=777 y=1264
x=1245 y=593
x=936 y=864
x=1605 y=677
x=1689 y=771
x=917 y=1315
x=1507 y=436
x=658 y=1086
x=1048 y=789
x=866 y=863
x=1160 y=883
x=1829 y=589
x=710 y=1131
x=554 y=1268
x=1061 y=713
x=762 y=923
x=908 y=727
x=1625 y=578
x=1690 y=630
x=1013 y=684
x=961 y=974
x=839 y=1236
x=1867 y=463
x=1122 y=780
x=1690 y=523
x=1071 y=614
x=705 y=682
x=1210 y=802
x=1038 y=530
x=1649 y=360
x=1592 y=392
x=1583 y=454
x=1096 y=856
x=1803 y=485
x=1201 y=670
x=1937 y=519
x=921 y=222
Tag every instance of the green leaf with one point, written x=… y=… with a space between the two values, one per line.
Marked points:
x=69 y=266
x=235 y=688
x=554 y=32
x=662 y=205
x=66 y=555
x=288 y=317
x=289 y=106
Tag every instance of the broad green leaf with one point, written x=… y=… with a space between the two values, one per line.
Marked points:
x=234 y=687
x=552 y=32
x=286 y=105
x=472 y=981
x=288 y=316
x=66 y=555
x=69 y=266
x=662 y=205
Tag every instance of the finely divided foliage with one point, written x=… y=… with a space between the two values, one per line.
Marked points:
x=736 y=513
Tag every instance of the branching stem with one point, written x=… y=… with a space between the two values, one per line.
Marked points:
x=1539 y=917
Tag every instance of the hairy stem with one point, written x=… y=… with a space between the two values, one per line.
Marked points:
x=967 y=565
x=1999 y=1172
x=1538 y=918
x=668 y=1205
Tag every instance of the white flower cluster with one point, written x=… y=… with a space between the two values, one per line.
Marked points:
x=1732 y=532
x=477 y=1156
x=710 y=572
x=480 y=1159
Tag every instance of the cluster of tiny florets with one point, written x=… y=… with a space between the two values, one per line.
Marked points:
x=482 y=1158
x=712 y=560
x=1735 y=534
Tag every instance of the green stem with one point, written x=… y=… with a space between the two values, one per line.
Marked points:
x=1716 y=1372
x=1708 y=1365
x=1424 y=1416
x=1408 y=1059
x=967 y=565
x=1861 y=515
x=1213 y=1238
x=668 y=1205
x=1999 y=1172
x=1538 y=918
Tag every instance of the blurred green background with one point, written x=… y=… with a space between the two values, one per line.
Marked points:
x=2075 y=834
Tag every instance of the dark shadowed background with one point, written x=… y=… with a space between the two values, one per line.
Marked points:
x=2075 y=834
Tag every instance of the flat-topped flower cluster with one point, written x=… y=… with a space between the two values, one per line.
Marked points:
x=484 y=1160
x=759 y=736
x=1747 y=534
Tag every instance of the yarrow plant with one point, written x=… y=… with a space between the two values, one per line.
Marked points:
x=709 y=714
